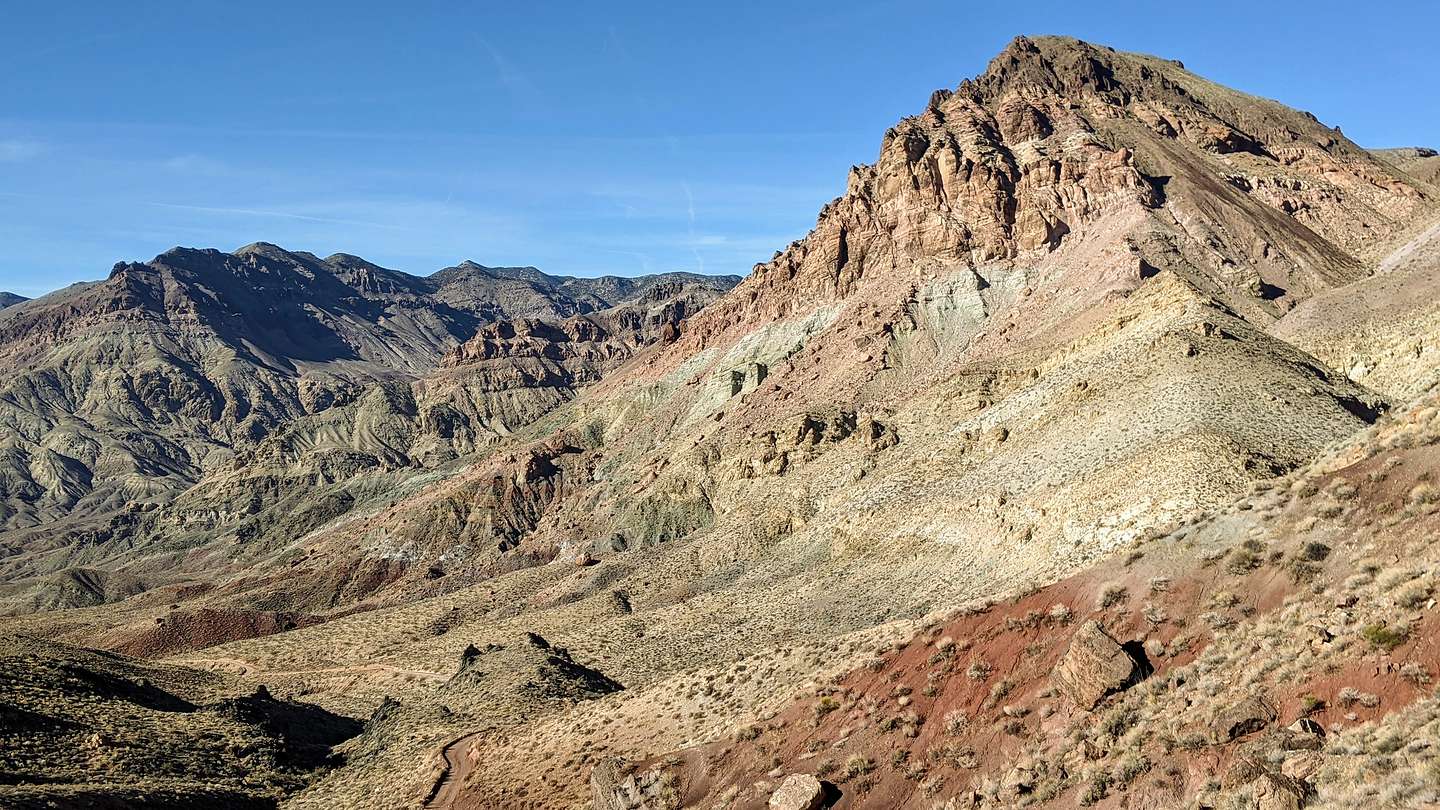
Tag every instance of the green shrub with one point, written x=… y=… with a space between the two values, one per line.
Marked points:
x=1132 y=766
x=1242 y=561
x=1302 y=571
x=1096 y=789
x=1385 y=637
x=1118 y=721
x=1414 y=596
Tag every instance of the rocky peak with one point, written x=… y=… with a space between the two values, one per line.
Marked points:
x=266 y=249
x=220 y=353
x=472 y=268
x=529 y=668
x=1059 y=138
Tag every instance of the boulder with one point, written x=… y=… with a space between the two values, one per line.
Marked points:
x=1304 y=735
x=1274 y=791
x=1018 y=781
x=1242 y=771
x=1246 y=716
x=611 y=788
x=799 y=791
x=1269 y=789
x=1095 y=665
x=1302 y=765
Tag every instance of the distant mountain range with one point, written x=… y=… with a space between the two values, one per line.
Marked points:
x=126 y=391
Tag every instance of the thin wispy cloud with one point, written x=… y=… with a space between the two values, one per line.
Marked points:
x=15 y=150
x=689 y=205
x=418 y=190
x=512 y=79
x=256 y=212
x=730 y=138
x=194 y=164
x=40 y=56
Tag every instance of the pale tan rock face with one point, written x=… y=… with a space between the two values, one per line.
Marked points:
x=799 y=791
x=1422 y=163
x=1382 y=331
x=614 y=789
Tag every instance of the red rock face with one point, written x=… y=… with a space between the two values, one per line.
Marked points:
x=593 y=343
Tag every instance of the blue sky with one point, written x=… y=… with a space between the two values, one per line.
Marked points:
x=583 y=138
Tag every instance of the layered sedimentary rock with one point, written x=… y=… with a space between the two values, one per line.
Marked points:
x=265 y=371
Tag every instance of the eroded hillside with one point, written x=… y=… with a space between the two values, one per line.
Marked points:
x=1276 y=653
x=206 y=396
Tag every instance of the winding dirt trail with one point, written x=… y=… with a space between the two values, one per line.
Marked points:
x=458 y=759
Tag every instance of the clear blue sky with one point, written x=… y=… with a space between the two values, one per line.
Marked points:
x=584 y=138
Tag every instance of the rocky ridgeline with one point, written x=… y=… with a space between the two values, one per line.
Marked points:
x=121 y=395
x=1059 y=134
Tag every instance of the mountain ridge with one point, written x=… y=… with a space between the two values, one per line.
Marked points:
x=220 y=349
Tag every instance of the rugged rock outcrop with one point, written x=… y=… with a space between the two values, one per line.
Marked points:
x=1251 y=201
x=531 y=668
x=1419 y=162
x=84 y=729
x=1245 y=716
x=616 y=786
x=130 y=389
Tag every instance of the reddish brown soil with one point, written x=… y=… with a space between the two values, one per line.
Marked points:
x=197 y=628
